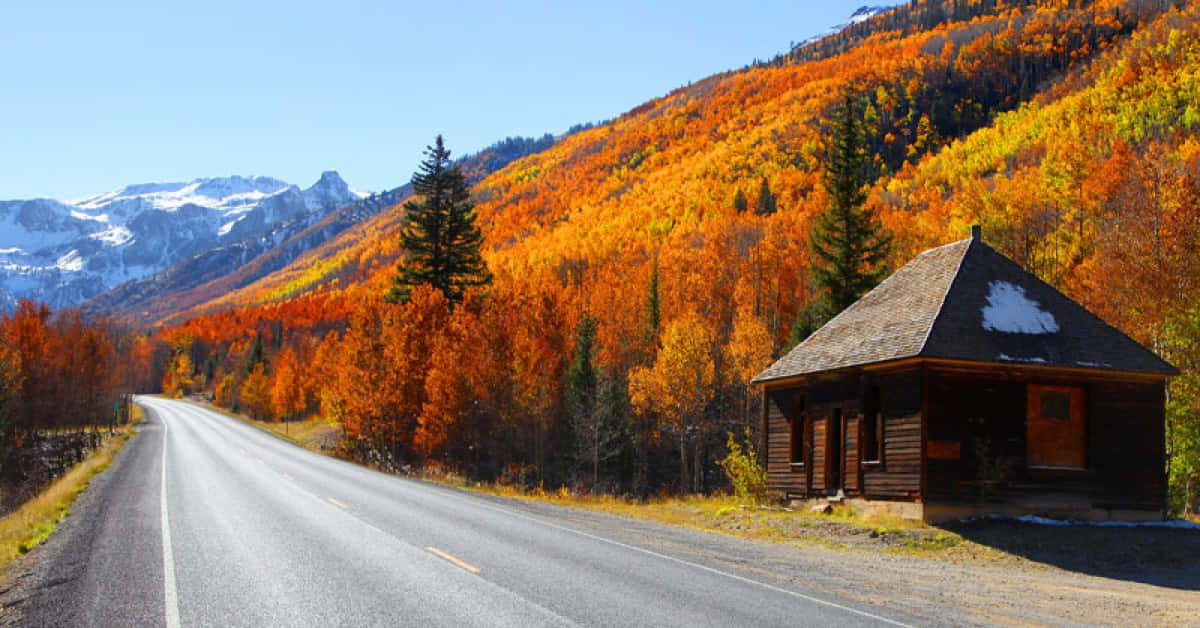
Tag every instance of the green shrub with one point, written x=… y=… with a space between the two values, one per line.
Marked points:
x=741 y=466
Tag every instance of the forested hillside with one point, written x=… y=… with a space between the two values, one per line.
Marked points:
x=671 y=243
x=203 y=281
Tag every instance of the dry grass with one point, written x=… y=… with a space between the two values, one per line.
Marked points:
x=310 y=433
x=34 y=522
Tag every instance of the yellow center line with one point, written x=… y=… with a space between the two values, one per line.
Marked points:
x=336 y=503
x=444 y=556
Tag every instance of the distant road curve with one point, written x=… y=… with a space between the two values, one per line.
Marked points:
x=204 y=520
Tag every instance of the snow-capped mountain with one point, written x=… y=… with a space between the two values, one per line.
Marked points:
x=64 y=253
x=860 y=15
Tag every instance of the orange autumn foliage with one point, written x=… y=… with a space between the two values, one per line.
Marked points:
x=1068 y=130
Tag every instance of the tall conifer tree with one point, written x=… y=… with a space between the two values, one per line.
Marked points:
x=849 y=244
x=440 y=236
x=766 y=199
x=739 y=201
x=653 y=309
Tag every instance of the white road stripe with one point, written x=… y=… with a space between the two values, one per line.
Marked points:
x=170 y=595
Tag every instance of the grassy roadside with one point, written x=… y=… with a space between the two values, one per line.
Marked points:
x=842 y=529
x=34 y=522
x=309 y=433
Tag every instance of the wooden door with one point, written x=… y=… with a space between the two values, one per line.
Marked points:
x=1055 y=428
x=834 y=458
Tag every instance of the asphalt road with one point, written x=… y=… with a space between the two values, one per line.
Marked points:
x=207 y=521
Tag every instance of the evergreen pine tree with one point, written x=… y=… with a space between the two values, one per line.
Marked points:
x=580 y=391
x=581 y=380
x=440 y=235
x=849 y=244
x=257 y=355
x=766 y=199
x=808 y=319
x=595 y=405
x=739 y=202
x=653 y=312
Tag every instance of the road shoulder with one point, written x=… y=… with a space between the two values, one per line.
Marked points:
x=105 y=528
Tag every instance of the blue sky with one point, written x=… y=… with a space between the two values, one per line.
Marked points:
x=99 y=95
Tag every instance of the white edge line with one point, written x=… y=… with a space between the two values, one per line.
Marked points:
x=170 y=594
x=229 y=423
x=816 y=600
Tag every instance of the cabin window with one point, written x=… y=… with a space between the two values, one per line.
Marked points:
x=796 y=438
x=1055 y=437
x=872 y=427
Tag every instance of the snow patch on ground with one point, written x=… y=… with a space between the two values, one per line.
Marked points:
x=1180 y=524
x=12 y=250
x=114 y=236
x=78 y=215
x=1008 y=310
x=70 y=262
x=225 y=228
x=207 y=193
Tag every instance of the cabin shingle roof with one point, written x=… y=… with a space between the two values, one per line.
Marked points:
x=966 y=301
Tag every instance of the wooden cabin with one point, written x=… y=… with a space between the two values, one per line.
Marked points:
x=964 y=385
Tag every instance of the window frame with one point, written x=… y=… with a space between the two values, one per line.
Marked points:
x=872 y=415
x=798 y=437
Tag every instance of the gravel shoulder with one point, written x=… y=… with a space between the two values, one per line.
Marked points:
x=102 y=547
x=970 y=585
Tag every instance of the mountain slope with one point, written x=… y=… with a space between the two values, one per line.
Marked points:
x=207 y=278
x=660 y=180
x=64 y=253
x=1070 y=131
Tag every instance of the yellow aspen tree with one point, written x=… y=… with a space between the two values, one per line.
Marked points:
x=678 y=386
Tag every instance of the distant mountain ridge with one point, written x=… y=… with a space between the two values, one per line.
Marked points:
x=203 y=276
x=295 y=256
x=65 y=252
x=860 y=15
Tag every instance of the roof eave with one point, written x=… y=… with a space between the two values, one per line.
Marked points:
x=1092 y=371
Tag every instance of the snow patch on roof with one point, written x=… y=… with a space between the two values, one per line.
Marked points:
x=1008 y=310
x=1098 y=365
x=1008 y=358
